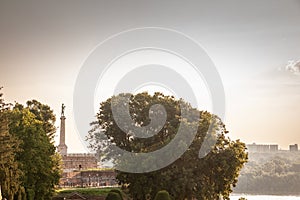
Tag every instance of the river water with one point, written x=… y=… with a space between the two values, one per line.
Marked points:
x=264 y=197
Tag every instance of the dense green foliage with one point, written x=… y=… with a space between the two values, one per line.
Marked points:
x=84 y=191
x=162 y=195
x=113 y=196
x=117 y=191
x=9 y=168
x=270 y=173
x=33 y=125
x=34 y=167
x=189 y=176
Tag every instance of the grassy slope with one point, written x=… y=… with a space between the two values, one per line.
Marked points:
x=84 y=191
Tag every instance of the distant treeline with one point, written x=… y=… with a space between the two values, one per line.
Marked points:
x=271 y=173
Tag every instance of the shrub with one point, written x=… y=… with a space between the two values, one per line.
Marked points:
x=113 y=196
x=30 y=194
x=162 y=195
x=118 y=192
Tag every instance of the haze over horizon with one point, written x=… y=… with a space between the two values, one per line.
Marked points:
x=255 y=47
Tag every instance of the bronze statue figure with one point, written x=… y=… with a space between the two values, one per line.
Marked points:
x=63 y=109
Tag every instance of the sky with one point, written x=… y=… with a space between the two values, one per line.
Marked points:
x=254 y=45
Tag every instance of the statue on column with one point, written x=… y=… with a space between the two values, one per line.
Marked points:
x=63 y=109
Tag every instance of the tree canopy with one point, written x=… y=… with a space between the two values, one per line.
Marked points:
x=38 y=159
x=193 y=174
x=10 y=173
x=30 y=166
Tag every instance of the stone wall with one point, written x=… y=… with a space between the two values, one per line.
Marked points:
x=88 y=178
x=79 y=162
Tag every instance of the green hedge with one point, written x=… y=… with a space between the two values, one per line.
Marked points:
x=113 y=196
x=118 y=192
x=162 y=195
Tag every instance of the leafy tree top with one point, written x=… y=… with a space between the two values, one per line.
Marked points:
x=195 y=174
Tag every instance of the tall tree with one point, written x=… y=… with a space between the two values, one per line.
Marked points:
x=44 y=114
x=10 y=173
x=212 y=174
x=33 y=125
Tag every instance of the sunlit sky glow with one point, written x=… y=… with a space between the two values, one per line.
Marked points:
x=44 y=44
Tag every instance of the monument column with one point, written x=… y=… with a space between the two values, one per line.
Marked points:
x=62 y=147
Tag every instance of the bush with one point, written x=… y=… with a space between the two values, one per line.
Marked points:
x=30 y=194
x=162 y=195
x=118 y=192
x=113 y=196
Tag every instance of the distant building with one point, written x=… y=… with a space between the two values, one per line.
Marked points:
x=81 y=169
x=293 y=147
x=273 y=147
x=79 y=161
x=262 y=147
x=89 y=178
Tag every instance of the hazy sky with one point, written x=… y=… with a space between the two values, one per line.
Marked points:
x=43 y=45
